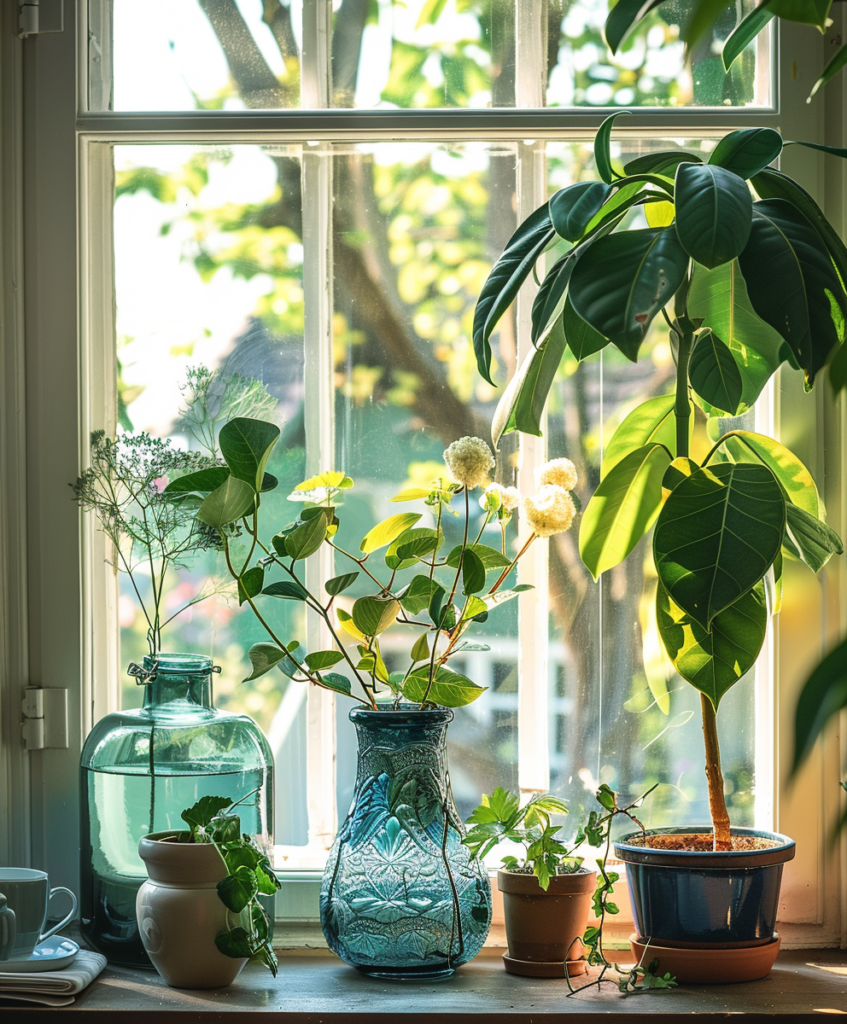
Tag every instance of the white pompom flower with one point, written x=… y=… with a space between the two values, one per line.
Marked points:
x=550 y=511
x=559 y=472
x=470 y=460
x=499 y=498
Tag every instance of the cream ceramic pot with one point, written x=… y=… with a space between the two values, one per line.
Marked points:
x=180 y=913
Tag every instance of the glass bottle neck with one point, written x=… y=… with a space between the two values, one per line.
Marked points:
x=182 y=678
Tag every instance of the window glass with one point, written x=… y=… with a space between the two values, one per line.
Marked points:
x=408 y=54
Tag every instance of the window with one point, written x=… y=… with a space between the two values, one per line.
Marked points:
x=317 y=201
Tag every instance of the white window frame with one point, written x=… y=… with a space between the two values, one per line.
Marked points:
x=57 y=609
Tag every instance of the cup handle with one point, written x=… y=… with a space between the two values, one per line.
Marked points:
x=65 y=920
x=8 y=933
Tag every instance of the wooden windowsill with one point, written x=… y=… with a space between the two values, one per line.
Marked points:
x=808 y=984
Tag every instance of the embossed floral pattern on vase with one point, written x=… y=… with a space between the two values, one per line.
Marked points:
x=400 y=894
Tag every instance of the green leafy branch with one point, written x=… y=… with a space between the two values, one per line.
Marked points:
x=249 y=874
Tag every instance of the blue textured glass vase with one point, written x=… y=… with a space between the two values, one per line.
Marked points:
x=401 y=896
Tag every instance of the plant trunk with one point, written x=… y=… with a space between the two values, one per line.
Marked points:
x=714 y=775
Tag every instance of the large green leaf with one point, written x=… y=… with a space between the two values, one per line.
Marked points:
x=547 y=305
x=748 y=150
x=651 y=422
x=747 y=446
x=622 y=281
x=491 y=558
x=773 y=184
x=624 y=16
x=522 y=404
x=744 y=33
x=449 y=689
x=714 y=375
x=473 y=573
x=602 y=147
x=719 y=298
x=411 y=546
x=717 y=535
x=822 y=697
x=246 y=444
x=806 y=12
x=227 y=503
x=714 y=212
x=809 y=539
x=661 y=162
x=307 y=538
x=387 y=531
x=419 y=593
x=263 y=657
x=572 y=208
x=373 y=615
x=623 y=508
x=505 y=279
x=714 y=661
x=286 y=590
x=582 y=339
x=792 y=283
x=203 y=480
x=250 y=583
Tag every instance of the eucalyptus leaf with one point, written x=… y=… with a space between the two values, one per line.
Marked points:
x=388 y=530
x=622 y=281
x=228 y=503
x=714 y=212
x=623 y=508
x=250 y=583
x=373 y=615
x=714 y=661
x=338 y=584
x=287 y=590
x=246 y=445
x=717 y=535
x=449 y=689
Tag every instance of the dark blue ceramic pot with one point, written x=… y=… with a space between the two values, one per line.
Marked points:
x=703 y=899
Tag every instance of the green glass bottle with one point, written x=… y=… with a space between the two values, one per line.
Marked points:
x=141 y=769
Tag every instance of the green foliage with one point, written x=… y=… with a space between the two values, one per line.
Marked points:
x=714 y=374
x=714 y=212
x=211 y=820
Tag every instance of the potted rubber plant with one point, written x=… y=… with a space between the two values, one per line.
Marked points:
x=401 y=896
x=747 y=274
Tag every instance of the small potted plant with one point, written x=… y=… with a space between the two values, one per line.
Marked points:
x=546 y=893
x=754 y=276
x=199 y=913
x=401 y=896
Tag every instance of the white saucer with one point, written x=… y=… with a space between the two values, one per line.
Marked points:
x=51 y=955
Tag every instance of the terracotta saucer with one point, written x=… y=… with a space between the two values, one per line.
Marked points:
x=709 y=966
x=544 y=969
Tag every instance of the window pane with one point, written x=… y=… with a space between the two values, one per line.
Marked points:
x=420 y=54
x=417 y=227
x=650 y=68
x=199 y=281
x=196 y=55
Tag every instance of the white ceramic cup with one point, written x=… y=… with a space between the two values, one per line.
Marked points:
x=8 y=931
x=28 y=895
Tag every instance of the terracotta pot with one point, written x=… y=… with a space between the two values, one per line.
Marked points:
x=541 y=926
x=179 y=913
x=708 y=966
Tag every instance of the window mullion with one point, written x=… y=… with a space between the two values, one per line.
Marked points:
x=317 y=203
x=533 y=717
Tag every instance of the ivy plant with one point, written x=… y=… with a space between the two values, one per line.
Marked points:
x=249 y=875
x=748 y=275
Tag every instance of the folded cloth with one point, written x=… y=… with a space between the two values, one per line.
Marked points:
x=48 y=987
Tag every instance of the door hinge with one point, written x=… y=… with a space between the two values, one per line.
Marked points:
x=40 y=16
x=45 y=723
